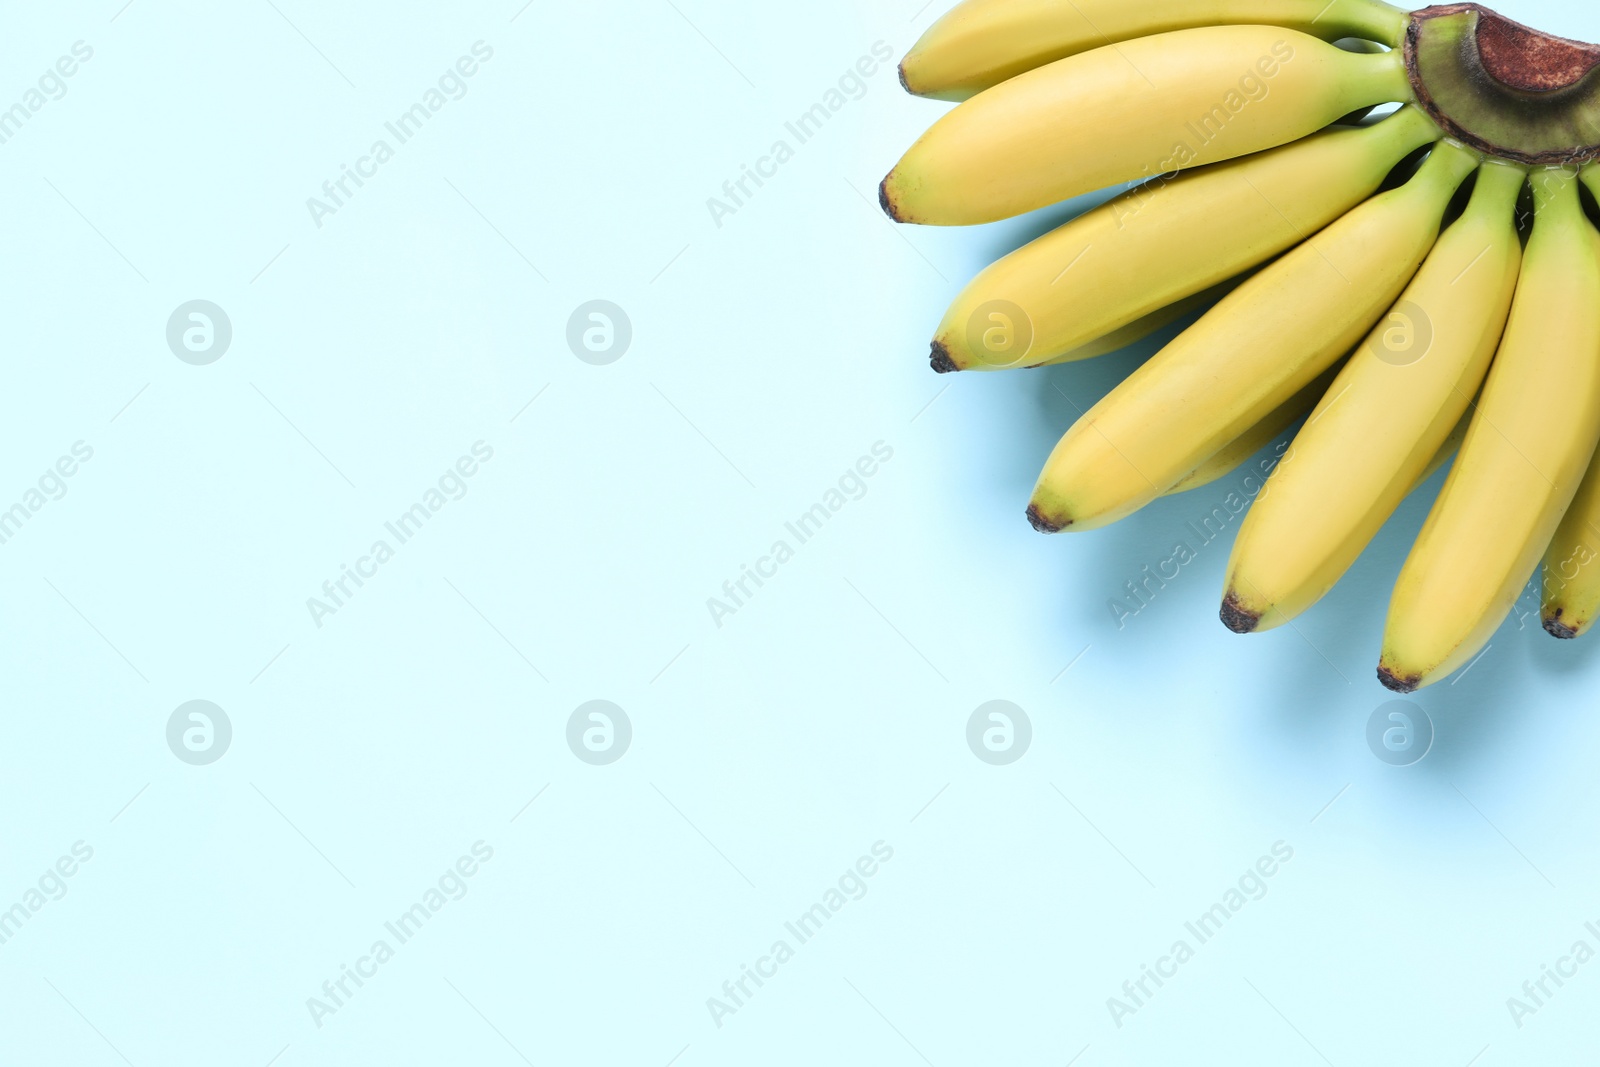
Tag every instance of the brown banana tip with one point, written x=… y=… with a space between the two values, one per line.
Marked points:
x=1043 y=525
x=1409 y=684
x=884 y=200
x=1238 y=618
x=939 y=359
x=903 y=83
x=1556 y=628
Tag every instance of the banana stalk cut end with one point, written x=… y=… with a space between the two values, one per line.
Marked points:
x=1504 y=88
x=1043 y=525
x=1408 y=684
x=1238 y=618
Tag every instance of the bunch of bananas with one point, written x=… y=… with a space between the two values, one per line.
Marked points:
x=1415 y=287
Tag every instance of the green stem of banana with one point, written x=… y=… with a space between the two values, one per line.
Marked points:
x=1555 y=197
x=1412 y=121
x=1384 y=76
x=1448 y=164
x=1378 y=21
x=1499 y=184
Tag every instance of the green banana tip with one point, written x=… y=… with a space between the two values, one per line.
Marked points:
x=1038 y=521
x=1236 y=617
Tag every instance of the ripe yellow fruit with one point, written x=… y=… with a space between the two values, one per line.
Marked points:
x=981 y=43
x=1164 y=241
x=1248 y=355
x=1186 y=98
x=1526 y=452
x=1384 y=418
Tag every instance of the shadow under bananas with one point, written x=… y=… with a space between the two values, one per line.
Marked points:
x=1476 y=713
x=969 y=250
x=1321 y=668
x=1011 y=234
x=1346 y=627
x=1060 y=395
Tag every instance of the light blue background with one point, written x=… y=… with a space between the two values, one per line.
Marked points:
x=769 y=753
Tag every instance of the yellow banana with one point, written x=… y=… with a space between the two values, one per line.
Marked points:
x=1233 y=456
x=1529 y=444
x=981 y=43
x=1572 y=564
x=1185 y=98
x=1249 y=354
x=1448 y=450
x=1163 y=241
x=1257 y=437
x=1384 y=419
x=1002 y=332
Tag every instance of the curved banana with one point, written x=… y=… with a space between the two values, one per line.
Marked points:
x=1245 y=357
x=1385 y=418
x=1530 y=442
x=1571 y=597
x=981 y=43
x=1253 y=440
x=1572 y=564
x=1185 y=99
x=1163 y=241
